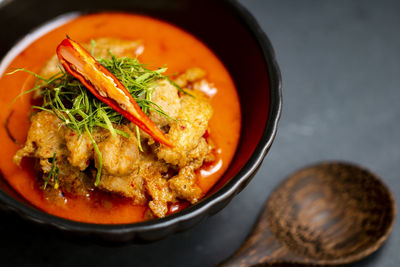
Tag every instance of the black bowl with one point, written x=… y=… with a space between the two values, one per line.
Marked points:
x=234 y=35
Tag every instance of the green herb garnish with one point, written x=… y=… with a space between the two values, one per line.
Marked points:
x=66 y=97
x=53 y=173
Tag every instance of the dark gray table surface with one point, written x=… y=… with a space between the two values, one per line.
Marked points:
x=340 y=62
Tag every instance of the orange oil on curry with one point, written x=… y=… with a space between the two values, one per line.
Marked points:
x=163 y=44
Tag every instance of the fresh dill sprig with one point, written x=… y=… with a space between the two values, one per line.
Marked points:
x=68 y=99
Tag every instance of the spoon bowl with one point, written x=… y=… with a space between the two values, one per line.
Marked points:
x=329 y=213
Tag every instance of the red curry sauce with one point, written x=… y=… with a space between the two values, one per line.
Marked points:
x=163 y=44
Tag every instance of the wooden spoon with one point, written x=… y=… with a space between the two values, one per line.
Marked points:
x=326 y=214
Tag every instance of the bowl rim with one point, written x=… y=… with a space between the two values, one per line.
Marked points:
x=224 y=194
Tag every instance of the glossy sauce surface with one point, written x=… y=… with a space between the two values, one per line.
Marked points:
x=164 y=44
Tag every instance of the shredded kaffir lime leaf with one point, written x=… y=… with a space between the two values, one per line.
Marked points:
x=67 y=98
x=53 y=173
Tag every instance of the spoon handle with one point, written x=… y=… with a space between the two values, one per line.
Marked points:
x=260 y=247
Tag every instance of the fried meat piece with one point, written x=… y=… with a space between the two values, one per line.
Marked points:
x=45 y=137
x=186 y=132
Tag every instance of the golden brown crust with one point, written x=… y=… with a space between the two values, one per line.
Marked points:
x=119 y=154
x=184 y=185
x=186 y=132
x=45 y=137
x=80 y=148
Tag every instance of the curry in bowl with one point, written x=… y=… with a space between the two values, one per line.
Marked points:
x=76 y=150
